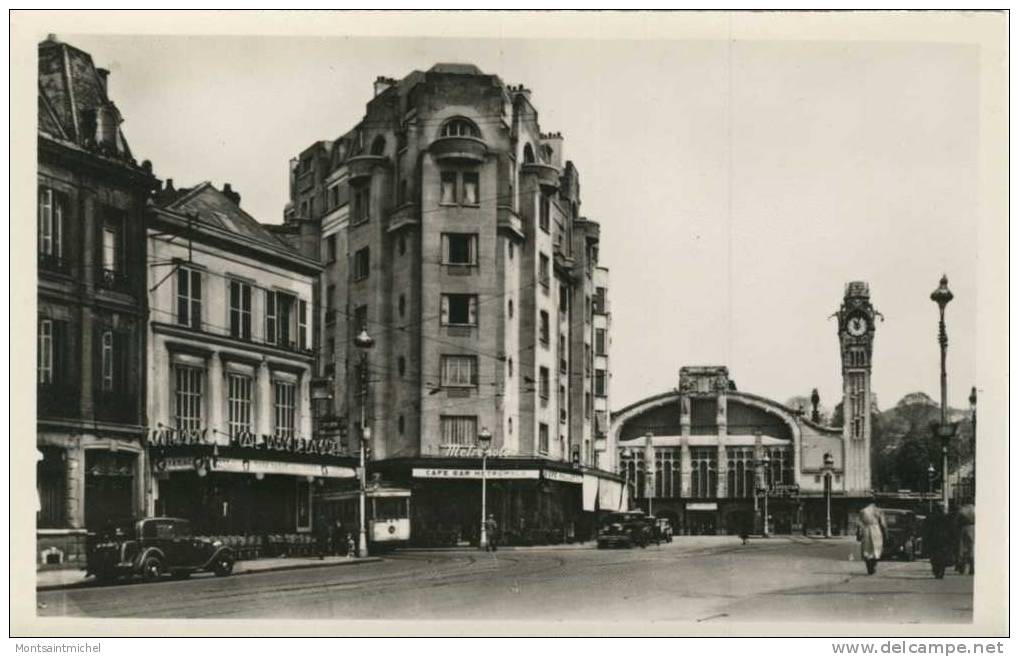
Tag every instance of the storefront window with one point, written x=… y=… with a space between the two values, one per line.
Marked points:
x=285 y=410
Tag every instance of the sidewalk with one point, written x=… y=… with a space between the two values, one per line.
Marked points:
x=48 y=580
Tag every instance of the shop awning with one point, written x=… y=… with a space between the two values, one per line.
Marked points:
x=610 y=495
x=590 y=492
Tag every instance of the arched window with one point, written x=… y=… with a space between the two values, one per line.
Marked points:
x=460 y=127
x=528 y=154
x=378 y=145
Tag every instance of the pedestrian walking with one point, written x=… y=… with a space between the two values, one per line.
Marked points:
x=351 y=547
x=965 y=527
x=492 y=534
x=871 y=533
x=745 y=527
x=939 y=541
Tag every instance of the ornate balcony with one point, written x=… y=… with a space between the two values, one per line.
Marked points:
x=363 y=166
x=547 y=175
x=404 y=215
x=459 y=149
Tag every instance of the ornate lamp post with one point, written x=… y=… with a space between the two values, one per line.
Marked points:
x=941 y=296
x=484 y=441
x=364 y=342
x=930 y=487
x=625 y=455
x=829 y=464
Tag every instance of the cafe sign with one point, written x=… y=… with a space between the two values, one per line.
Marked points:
x=170 y=437
x=565 y=477
x=472 y=473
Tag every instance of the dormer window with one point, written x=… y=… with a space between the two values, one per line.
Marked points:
x=460 y=127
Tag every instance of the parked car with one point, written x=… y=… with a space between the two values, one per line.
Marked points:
x=625 y=529
x=902 y=540
x=153 y=547
x=663 y=529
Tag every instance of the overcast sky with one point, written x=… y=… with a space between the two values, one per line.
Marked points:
x=739 y=185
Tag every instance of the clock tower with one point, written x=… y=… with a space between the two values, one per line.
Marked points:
x=856 y=340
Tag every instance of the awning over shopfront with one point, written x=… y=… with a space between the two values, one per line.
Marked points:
x=250 y=466
x=590 y=492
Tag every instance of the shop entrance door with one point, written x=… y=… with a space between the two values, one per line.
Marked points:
x=109 y=487
x=701 y=523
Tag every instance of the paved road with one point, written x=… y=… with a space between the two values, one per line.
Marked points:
x=710 y=579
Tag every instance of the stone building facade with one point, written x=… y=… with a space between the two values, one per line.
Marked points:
x=92 y=307
x=450 y=229
x=705 y=453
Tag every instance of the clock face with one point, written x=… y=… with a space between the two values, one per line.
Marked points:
x=856 y=326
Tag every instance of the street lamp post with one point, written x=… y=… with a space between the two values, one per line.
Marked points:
x=484 y=440
x=829 y=463
x=364 y=342
x=766 y=462
x=941 y=296
x=930 y=487
x=625 y=454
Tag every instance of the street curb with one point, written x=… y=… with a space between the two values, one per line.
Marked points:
x=351 y=562
x=511 y=548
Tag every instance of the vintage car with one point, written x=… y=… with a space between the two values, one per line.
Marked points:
x=625 y=529
x=152 y=547
x=902 y=539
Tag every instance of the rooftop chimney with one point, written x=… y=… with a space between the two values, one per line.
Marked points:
x=231 y=194
x=382 y=83
x=103 y=75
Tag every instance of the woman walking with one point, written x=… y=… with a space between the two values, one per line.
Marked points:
x=871 y=534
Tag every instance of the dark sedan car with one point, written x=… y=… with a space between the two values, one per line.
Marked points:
x=625 y=529
x=902 y=539
x=153 y=547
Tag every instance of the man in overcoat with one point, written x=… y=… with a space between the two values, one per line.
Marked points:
x=870 y=532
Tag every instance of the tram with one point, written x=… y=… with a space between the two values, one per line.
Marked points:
x=387 y=509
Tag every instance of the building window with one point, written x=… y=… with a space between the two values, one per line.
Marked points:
x=587 y=405
x=509 y=367
x=238 y=404
x=240 y=310
x=510 y=249
x=399 y=424
x=509 y=426
x=780 y=465
x=51 y=223
x=544 y=209
x=52 y=486
x=362 y=204
x=330 y=301
x=703 y=472
x=402 y=305
x=189 y=297
x=544 y=275
x=562 y=404
x=588 y=360
x=599 y=383
x=285 y=408
x=331 y=247
x=401 y=244
x=599 y=301
x=543 y=327
x=742 y=470
x=44 y=355
x=447 y=195
x=362 y=264
x=460 y=127
x=460 y=248
x=334 y=198
x=459 y=371
x=509 y=308
x=564 y=299
x=542 y=438
x=459 y=310
x=562 y=353
x=286 y=321
x=599 y=342
x=588 y=314
x=543 y=383
x=470 y=188
x=112 y=230
x=361 y=319
x=459 y=429
x=188 y=383
x=106 y=360
x=401 y=365
x=667 y=469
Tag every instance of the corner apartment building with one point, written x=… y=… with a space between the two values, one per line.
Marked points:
x=450 y=229
x=92 y=307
